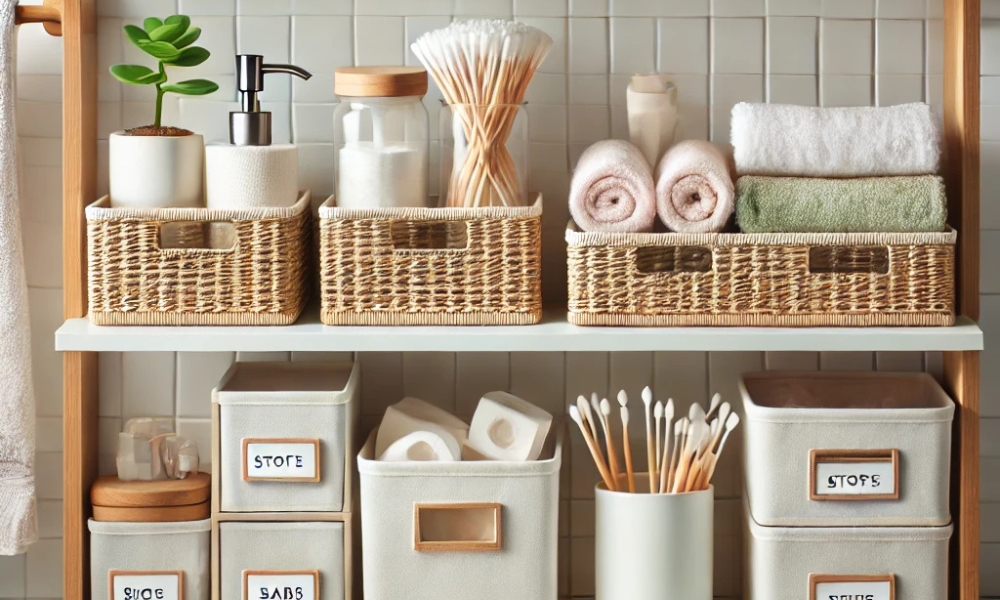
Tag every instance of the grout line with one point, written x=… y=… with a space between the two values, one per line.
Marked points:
x=877 y=77
x=767 y=55
x=820 y=91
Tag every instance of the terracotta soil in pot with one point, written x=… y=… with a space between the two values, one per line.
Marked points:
x=154 y=131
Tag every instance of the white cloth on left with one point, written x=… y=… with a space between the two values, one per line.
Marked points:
x=18 y=522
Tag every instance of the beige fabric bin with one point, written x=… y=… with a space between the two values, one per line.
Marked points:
x=787 y=563
x=279 y=551
x=486 y=530
x=814 y=441
x=305 y=412
x=149 y=555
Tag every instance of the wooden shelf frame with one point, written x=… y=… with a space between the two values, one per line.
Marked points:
x=961 y=121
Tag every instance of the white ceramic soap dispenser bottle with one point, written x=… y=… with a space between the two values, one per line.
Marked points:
x=249 y=172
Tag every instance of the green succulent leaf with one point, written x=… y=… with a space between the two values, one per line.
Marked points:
x=189 y=57
x=192 y=87
x=182 y=20
x=137 y=75
x=151 y=23
x=136 y=34
x=190 y=36
x=166 y=33
x=164 y=51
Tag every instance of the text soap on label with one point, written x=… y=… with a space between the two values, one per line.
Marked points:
x=854 y=590
x=146 y=586
x=281 y=586
x=281 y=460
x=876 y=478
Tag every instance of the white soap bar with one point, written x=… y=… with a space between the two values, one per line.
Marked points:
x=413 y=414
x=505 y=427
x=424 y=446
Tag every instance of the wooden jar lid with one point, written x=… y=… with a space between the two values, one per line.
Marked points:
x=385 y=82
x=152 y=501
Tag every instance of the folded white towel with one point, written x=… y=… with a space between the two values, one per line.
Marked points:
x=780 y=139
x=694 y=188
x=612 y=189
x=17 y=399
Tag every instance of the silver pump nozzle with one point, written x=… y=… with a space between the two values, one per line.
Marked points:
x=250 y=126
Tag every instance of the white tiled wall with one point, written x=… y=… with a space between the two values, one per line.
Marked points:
x=828 y=52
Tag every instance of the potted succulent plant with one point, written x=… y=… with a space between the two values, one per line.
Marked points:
x=156 y=165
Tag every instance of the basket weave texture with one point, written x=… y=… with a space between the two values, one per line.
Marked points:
x=670 y=279
x=253 y=272
x=431 y=266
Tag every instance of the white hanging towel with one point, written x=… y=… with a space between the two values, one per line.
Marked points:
x=18 y=525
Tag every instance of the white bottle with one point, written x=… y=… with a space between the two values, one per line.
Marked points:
x=249 y=172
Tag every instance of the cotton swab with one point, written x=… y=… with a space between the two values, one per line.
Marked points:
x=588 y=415
x=694 y=435
x=657 y=418
x=647 y=399
x=574 y=413
x=627 y=443
x=680 y=439
x=718 y=427
x=713 y=407
x=668 y=418
x=731 y=423
x=609 y=440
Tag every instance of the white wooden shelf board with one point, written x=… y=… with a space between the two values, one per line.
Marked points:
x=554 y=334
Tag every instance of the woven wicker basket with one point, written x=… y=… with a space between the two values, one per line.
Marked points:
x=671 y=279
x=431 y=266
x=186 y=266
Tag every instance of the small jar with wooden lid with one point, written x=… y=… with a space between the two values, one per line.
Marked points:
x=381 y=137
x=150 y=540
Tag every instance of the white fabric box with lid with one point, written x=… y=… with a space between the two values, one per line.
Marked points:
x=823 y=563
x=139 y=559
x=472 y=529
x=827 y=449
x=286 y=436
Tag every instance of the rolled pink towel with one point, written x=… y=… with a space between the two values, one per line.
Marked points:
x=694 y=188
x=612 y=189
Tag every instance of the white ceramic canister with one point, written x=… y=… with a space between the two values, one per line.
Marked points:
x=653 y=546
x=156 y=171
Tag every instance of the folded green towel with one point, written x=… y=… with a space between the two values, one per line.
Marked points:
x=871 y=204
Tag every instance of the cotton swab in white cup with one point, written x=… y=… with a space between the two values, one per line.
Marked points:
x=657 y=418
x=627 y=443
x=647 y=400
x=574 y=413
x=609 y=440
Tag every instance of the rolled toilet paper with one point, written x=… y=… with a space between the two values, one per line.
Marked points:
x=505 y=427
x=423 y=446
x=412 y=414
x=251 y=176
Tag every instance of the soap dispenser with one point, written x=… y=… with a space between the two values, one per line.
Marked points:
x=250 y=172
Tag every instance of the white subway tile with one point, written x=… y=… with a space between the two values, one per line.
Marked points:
x=791 y=361
x=541 y=8
x=633 y=45
x=476 y=374
x=989 y=249
x=589 y=8
x=792 y=44
x=207 y=117
x=794 y=89
x=555 y=62
x=320 y=45
x=48 y=434
x=109 y=384
x=45 y=313
x=582 y=517
x=990 y=484
x=147 y=384
x=538 y=378
x=316 y=170
x=692 y=89
x=588 y=46
x=108 y=429
x=849 y=9
x=901 y=9
x=41 y=193
x=271 y=38
x=318 y=89
x=402 y=7
x=989 y=578
x=102 y=168
x=416 y=27
x=739 y=45
x=738 y=8
x=109 y=53
x=846 y=90
x=731 y=89
x=935 y=47
x=900 y=47
x=39 y=119
x=847 y=361
x=990 y=47
x=581 y=556
x=618 y=87
x=200 y=432
x=900 y=89
x=430 y=376
x=38 y=52
x=381 y=381
x=545 y=88
x=44 y=577
x=899 y=361
x=312 y=123
x=847 y=47
x=935 y=8
x=215 y=8
x=989 y=180
x=40 y=152
x=497 y=9
x=589 y=124
x=135 y=8
x=264 y=7
x=660 y=8
x=619 y=122
x=989 y=321
x=683 y=46
x=42 y=254
x=692 y=123
x=48 y=475
x=109 y=119
x=322 y=7
x=989 y=124
x=197 y=374
x=794 y=8
x=137 y=114
x=49 y=521
x=12 y=575
x=588 y=89
x=379 y=41
x=548 y=122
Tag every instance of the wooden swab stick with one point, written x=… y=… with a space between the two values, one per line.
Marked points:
x=609 y=439
x=718 y=428
x=627 y=443
x=680 y=438
x=668 y=418
x=657 y=418
x=731 y=423
x=574 y=414
x=696 y=432
x=647 y=400
x=588 y=420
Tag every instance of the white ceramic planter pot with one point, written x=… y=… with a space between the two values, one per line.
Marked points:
x=156 y=172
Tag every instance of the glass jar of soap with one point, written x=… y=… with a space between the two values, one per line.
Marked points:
x=381 y=137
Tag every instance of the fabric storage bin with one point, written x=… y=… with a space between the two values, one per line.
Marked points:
x=847 y=449
x=258 y=556
x=431 y=266
x=127 y=559
x=286 y=436
x=820 y=563
x=196 y=266
x=782 y=280
x=473 y=529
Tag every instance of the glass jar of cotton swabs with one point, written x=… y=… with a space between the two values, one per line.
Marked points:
x=654 y=527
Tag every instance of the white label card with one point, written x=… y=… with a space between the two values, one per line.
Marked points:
x=854 y=590
x=876 y=478
x=146 y=586
x=281 y=586
x=279 y=460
